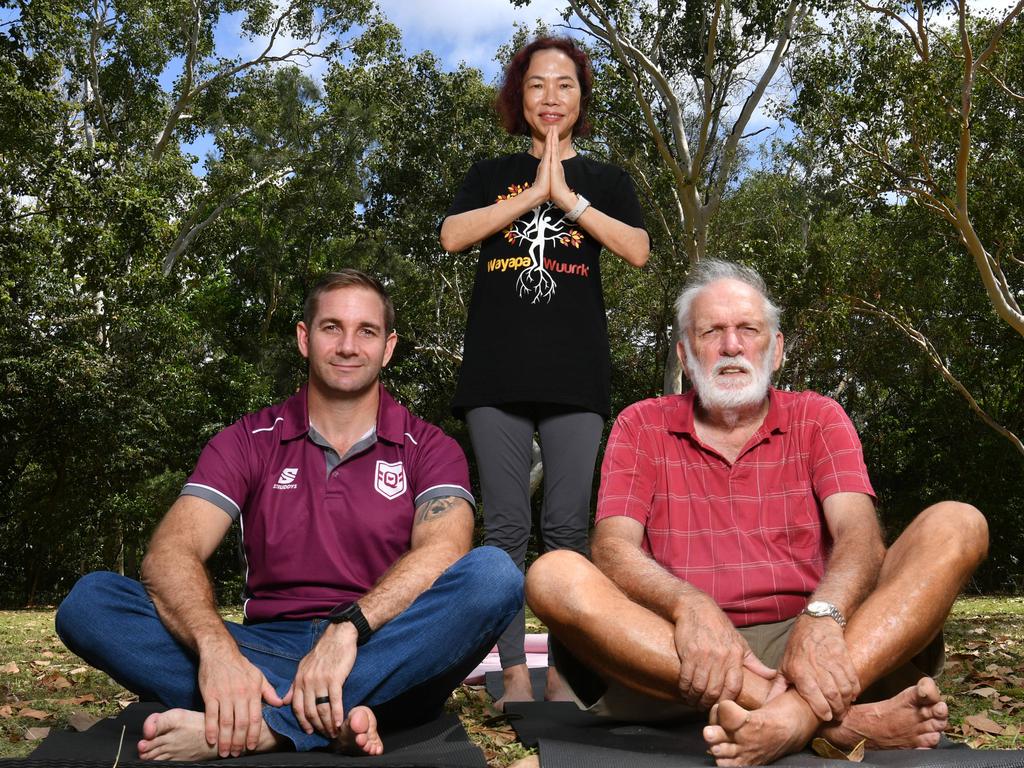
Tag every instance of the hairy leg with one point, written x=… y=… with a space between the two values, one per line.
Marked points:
x=922 y=574
x=579 y=604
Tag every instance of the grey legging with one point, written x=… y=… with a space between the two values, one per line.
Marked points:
x=503 y=445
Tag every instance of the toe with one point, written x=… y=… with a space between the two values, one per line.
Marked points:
x=715 y=734
x=731 y=716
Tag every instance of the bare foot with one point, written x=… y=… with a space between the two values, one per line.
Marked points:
x=912 y=719
x=517 y=685
x=555 y=688
x=759 y=737
x=180 y=734
x=358 y=734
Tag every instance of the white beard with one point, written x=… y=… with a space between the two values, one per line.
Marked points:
x=715 y=394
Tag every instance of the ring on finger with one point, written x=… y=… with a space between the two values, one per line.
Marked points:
x=322 y=700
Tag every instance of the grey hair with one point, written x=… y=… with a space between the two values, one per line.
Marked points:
x=710 y=271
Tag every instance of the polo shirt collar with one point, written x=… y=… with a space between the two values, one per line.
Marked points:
x=390 y=417
x=296 y=416
x=391 y=424
x=680 y=417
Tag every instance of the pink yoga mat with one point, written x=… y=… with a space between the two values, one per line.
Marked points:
x=536 y=647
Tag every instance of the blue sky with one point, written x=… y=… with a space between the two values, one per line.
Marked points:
x=456 y=31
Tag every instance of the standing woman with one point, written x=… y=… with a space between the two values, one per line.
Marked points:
x=536 y=353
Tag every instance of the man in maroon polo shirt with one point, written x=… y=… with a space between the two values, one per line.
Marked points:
x=363 y=601
x=738 y=565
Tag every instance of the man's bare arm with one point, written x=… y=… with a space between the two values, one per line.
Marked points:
x=174 y=571
x=174 y=574
x=816 y=660
x=442 y=533
x=712 y=653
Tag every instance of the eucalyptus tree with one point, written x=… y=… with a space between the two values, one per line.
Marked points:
x=919 y=105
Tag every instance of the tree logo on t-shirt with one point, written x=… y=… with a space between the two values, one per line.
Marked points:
x=542 y=225
x=389 y=480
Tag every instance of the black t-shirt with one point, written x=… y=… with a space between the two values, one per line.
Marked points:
x=537 y=330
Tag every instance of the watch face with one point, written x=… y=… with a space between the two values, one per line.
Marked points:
x=818 y=608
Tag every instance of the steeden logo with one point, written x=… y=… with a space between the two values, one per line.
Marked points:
x=390 y=479
x=284 y=482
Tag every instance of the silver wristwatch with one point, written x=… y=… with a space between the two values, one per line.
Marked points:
x=819 y=608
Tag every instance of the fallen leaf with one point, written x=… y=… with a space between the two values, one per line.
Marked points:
x=124 y=704
x=35 y=734
x=47 y=654
x=6 y=710
x=35 y=714
x=78 y=671
x=76 y=700
x=984 y=691
x=984 y=724
x=824 y=748
x=10 y=669
x=41 y=663
x=83 y=721
x=963 y=656
x=55 y=682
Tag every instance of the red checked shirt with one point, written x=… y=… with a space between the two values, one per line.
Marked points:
x=752 y=534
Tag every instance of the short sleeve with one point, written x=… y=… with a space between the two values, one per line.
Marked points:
x=440 y=469
x=470 y=194
x=623 y=203
x=222 y=473
x=836 y=455
x=627 y=472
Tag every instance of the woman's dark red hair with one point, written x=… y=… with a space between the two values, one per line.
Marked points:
x=509 y=102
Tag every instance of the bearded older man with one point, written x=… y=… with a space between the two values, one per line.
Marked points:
x=738 y=564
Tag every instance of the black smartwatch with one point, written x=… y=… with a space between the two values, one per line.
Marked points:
x=352 y=613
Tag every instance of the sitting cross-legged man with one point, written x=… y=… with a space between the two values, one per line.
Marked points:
x=738 y=564
x=364 y=603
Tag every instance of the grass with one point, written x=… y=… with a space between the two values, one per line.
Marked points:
x=43 y=685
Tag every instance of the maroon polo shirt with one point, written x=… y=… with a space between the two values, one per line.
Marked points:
x=319 y=529
x=751 y=534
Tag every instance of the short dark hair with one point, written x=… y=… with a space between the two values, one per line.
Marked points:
x=347 y=278
x=509 y=102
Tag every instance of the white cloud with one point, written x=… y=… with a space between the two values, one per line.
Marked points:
x=463 y=30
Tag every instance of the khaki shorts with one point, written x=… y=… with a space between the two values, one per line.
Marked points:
x=768 y=642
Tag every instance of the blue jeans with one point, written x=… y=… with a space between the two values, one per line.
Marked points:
x=405 y=672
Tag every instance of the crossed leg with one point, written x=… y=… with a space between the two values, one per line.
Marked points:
x=919 y=580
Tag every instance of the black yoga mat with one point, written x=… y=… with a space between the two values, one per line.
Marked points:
x=569 y=738
x=441 y=743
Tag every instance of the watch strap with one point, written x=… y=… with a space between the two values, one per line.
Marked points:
x=354 y=615
x=581 y=205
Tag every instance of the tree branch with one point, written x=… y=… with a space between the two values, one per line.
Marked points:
x=921 y=43
x=937 y=362
x=191 y=230
x=795 y=14
x=98 y=21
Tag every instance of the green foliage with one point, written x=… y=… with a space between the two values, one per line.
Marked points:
x=143 y=305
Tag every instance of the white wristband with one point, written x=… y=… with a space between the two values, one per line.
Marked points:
x=581 y=205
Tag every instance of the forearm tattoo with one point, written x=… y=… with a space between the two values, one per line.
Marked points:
x=435 y=508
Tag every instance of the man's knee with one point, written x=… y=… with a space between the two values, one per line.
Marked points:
x=495 y=585
x=550 y=579
x=960 y=528
x=79 y=613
